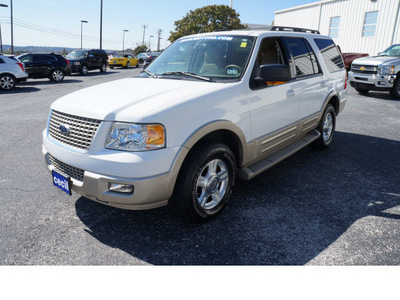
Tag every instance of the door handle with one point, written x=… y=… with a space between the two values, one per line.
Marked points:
x=290 y=93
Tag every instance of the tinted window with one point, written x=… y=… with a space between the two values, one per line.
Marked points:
x=331 y=55
x=43 y=57
x=305 y=62
x=26 y=58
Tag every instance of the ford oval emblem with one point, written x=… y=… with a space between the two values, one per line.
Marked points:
x=64 y=129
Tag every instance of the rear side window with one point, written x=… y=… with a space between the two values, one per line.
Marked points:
x=304 y=59
x=330 y=53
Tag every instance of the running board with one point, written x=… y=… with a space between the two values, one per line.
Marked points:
x=260 y=166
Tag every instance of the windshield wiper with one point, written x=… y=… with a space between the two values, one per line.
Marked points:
x=193 y=75
x=151 y=74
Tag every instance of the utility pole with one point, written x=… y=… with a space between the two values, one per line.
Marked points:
x=144 y=30
x=159 y=31
x=1 y=40
x=231 y=3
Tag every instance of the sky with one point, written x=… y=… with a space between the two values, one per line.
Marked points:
x=57 y=23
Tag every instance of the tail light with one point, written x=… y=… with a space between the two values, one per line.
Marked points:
x=68 y=62
x=21 y=66
x=345 y=82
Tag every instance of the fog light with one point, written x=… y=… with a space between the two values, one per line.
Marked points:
x=120 y=188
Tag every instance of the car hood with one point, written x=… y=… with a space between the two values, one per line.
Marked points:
x=376 y=60
x=129 y=100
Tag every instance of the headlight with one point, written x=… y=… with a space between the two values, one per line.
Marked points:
x=387 y=70
x=136 y=137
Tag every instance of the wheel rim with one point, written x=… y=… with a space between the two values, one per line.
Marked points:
x=328 y=127
x=84 y=69
x=58 y=75
x=103 y=67
x=212 y=184
x=127 y=65
x=6 y=83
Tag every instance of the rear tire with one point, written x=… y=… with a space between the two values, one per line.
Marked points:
x=7 y=82
x=204 y=183
x=128 y=65
x=327 y=129
x=103 y=67
x=57 y=75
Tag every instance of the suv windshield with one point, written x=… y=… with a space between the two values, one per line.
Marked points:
x=217 y=57
x=77 y=54
x=393 y=50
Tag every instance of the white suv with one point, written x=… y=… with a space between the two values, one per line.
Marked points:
x=211 y=107
x=12 y=70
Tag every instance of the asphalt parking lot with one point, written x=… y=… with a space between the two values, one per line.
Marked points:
x=337 y=207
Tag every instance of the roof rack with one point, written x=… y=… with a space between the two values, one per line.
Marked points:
x=296 y=29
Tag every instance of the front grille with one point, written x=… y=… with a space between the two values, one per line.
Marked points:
x=81 y=130
x=364 y=69
x=67 y=169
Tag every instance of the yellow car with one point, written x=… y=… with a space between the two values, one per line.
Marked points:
x=125 y=61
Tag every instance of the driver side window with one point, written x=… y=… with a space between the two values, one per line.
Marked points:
x=270 y=52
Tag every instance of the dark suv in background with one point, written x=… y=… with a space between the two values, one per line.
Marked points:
x=83 y=61
x=46 y=65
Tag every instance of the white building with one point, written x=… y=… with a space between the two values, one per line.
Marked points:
x=367 y=26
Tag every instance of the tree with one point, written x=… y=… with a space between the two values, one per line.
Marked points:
x=206 y=19
x=140 y=49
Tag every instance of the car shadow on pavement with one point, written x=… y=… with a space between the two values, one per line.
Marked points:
x=93 y=74
x=285 y=216
x=21 y=89
x=47 y=81
x=385 y=96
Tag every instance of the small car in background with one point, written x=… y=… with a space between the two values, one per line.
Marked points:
x=12 y=71
x=125 y=61
x=46 y=65
x=83 y=61
x=152 y=56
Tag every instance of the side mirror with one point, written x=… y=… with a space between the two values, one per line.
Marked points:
x=273 y=73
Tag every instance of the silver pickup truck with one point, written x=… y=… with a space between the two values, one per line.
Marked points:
x=377 y=73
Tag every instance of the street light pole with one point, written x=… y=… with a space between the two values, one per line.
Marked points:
x=1 y=40
x=144 y=30
x=101 y=23
x=150 y=42
x=12 y=29
x=123 y=41
x=82 y=21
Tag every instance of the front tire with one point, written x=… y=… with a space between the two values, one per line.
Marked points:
x=362 y=91
x=205 y=183
x=84 y=70
x=327 y=129
x=395 y=91
x=7 y=82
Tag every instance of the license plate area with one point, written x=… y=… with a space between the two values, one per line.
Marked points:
x=62 y=182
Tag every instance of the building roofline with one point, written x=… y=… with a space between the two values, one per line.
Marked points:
x=303 y=6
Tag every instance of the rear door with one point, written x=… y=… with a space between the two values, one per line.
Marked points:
x=310 y=88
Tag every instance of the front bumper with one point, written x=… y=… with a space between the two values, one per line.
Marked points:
x=150 y=190
x=371 y=81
